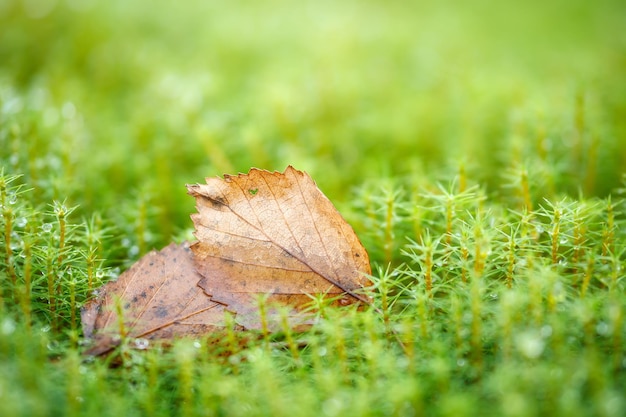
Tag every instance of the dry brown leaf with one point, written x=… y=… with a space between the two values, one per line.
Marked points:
x=262 y=233
x=273 y=233
x=159 y=299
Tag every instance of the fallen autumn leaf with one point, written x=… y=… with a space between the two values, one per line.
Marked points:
x=273 y=233
x=261 y=233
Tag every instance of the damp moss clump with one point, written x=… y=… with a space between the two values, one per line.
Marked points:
x=477 y=149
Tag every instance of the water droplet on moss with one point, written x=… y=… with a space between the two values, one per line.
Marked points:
x=7 y=327
x=142 y=344
x=530 y=344
x=603 y=329
x=133 y=251
x=46 y=227
x=546 y=331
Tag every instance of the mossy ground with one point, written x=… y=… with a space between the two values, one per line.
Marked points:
x=478 y=149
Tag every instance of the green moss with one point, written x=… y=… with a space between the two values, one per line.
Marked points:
x=478 y=149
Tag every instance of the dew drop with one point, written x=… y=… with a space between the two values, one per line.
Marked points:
x=461 y=363
x=530 y=344
x=546 y=331
x=99 y=273
x=21 y=221
x=197 y=344
x=16 y=243
x=7 y=327
x=133 y=250
x=12 y=199
x=603 y=329
x=142 y=344
x=46 y=227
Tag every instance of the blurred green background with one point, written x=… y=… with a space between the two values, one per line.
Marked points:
x=110 y=102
